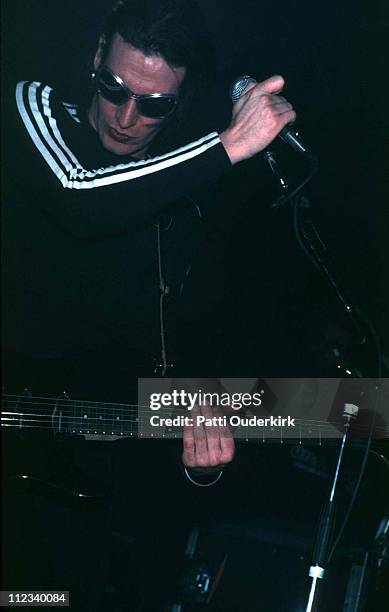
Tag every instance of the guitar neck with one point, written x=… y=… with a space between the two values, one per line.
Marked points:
x=110 y=421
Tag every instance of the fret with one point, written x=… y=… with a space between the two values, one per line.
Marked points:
x=92 y=418
x=72 y=424
x=20 y=404
x=57 y=418
x=83 y=418
x=100 y=422
x=115 y=423
x=79 y=411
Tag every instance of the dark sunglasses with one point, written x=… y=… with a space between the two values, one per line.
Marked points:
x=113 y=89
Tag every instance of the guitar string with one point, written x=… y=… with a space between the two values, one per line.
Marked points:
x=146 y=416
x=142 y=414
x=175 y=433
x=53 y=400
x=97 y=411
x=16 y=423
x=8 y=414
x=98 y=407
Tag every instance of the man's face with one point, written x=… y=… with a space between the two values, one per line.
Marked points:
x=122 y=130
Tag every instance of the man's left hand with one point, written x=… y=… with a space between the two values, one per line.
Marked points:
x=208 y=446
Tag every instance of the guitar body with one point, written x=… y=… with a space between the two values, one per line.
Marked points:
x=43 y=451
x=56 y=443
x=55 y=466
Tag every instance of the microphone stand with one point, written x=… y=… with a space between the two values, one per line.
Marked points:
x=316 y=253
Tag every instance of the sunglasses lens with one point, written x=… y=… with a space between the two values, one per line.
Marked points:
x=110 y=88
x=114 y=92
x=156 y=107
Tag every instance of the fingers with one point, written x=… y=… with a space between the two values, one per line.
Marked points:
x=277 y=104
x=283 y=110
x=208 y=443
x=189 y=449
x=264 y=95
x=273 y=85
x=269 y=100
x=227 y=445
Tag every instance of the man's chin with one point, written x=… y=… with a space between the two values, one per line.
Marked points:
x=133 y=147
x=120 y=148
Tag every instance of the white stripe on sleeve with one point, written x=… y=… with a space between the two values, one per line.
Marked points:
x=65 y=165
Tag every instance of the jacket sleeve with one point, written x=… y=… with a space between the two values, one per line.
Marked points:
x=43 y=157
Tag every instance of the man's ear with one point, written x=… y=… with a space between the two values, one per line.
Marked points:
x=100 y=52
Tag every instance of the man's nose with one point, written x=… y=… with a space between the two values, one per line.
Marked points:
x=127 y=114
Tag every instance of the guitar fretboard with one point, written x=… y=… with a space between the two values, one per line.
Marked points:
x=104 y=419
x=63 y=415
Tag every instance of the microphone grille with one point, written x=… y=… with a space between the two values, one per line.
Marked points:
x=238 y=86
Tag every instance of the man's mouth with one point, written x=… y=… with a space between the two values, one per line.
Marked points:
x=118 y=136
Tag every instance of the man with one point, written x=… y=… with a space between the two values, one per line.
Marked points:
x=97 y=191
x=91 y=194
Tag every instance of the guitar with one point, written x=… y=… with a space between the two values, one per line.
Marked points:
x=107 y=421
x=63 y=417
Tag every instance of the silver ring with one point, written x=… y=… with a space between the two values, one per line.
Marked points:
x=198 y=484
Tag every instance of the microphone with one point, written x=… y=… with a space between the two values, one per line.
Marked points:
x=288 y=134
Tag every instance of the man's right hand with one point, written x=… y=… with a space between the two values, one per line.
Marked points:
x=257 y=118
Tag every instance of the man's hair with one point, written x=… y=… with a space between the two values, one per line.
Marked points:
x=172 y=29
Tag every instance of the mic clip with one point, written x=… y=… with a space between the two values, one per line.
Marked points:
x=276 y=170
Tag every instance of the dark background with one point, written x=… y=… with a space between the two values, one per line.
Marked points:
x=333 y=56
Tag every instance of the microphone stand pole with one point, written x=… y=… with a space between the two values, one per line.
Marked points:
x=317 y=569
